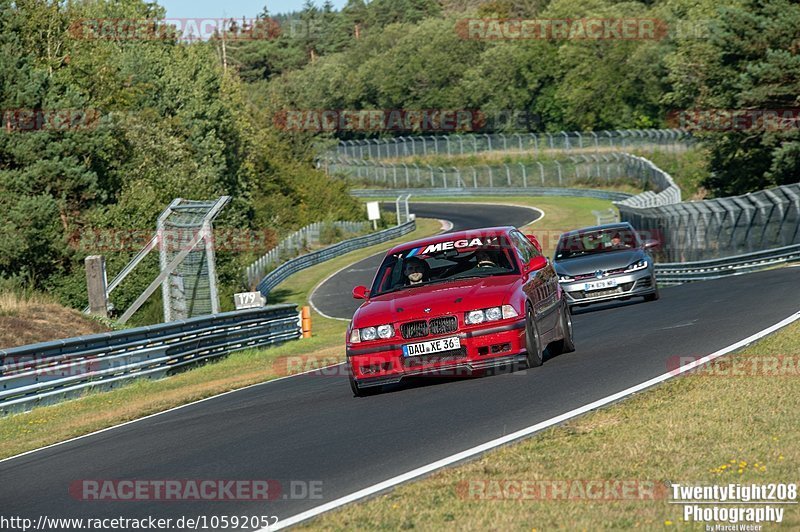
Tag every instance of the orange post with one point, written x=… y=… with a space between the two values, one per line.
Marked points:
x=306 y=316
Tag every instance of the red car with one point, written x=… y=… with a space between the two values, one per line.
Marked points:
x=455 y=303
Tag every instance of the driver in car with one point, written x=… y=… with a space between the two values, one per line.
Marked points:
x=415 y=271
x=484 y=259
x=616 y=241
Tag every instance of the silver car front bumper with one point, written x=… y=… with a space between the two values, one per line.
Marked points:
x=640 y=283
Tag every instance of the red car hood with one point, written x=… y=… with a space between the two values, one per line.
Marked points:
x=442 y=299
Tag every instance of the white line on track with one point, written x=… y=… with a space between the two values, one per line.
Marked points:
x=526 y=432
x=165 y=411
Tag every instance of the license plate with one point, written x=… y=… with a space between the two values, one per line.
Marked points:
x=432 y=346
x=599 y=285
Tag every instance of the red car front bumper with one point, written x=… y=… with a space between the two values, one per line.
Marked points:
x=492 y=345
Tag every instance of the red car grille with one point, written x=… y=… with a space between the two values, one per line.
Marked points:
x=414 y=329
x=444 y=325
x=419 y=329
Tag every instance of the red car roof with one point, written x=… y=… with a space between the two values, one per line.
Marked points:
x=447 y=237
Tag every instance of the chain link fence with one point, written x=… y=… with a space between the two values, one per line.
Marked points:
x=711 y=229
x=581 y=170
x=298 y=242
x=537 y=144
x=190 y=289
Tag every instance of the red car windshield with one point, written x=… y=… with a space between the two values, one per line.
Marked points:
x=445 y=262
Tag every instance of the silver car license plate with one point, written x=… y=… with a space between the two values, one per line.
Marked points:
x=600 y=285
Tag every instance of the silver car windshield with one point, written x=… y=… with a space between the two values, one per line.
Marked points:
x=592 y=242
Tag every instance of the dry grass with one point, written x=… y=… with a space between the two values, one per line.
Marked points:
x=31 y=318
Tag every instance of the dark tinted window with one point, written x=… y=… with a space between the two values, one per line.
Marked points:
x=446 y=261
x=600 y=241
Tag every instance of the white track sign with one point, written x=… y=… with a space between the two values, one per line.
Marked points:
x=249 y=300
x=373 y=210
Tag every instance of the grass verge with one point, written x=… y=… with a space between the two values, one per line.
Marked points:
x=28 y=318
x=715 y=426
x=98 y=410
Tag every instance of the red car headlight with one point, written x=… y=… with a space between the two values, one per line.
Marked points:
x=365 y=334
x=475 y=317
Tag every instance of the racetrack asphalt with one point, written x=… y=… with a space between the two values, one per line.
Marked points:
x=311 y=428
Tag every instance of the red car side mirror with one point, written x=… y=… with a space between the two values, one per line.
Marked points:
x=360 y=292
x=536 y=263
x=535 y=241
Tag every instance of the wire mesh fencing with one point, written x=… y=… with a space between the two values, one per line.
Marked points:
x=710 y=229
x=300 y=241
x=537 y=144
x=580 y=170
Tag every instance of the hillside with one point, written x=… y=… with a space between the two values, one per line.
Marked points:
x=28 y=320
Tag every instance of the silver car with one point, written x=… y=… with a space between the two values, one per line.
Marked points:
x=605 y=263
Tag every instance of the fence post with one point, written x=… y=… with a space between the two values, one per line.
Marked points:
x=97 y=285
x=459 y=182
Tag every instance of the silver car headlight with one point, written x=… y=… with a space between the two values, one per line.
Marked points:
x=636 y=266
x=565 y=279
x=493 y=314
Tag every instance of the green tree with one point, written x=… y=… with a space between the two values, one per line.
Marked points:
x=749 y=61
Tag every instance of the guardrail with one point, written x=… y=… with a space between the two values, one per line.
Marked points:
x=49 y=372
x=682 y=272
x=290 y=267
x=295 y=243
